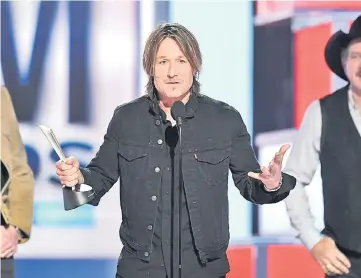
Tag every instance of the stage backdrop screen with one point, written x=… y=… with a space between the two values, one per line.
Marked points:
x=68 y=65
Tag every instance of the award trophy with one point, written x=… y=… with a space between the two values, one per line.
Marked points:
x=77 y=195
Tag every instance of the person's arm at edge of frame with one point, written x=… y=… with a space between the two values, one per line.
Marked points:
x=21 y=193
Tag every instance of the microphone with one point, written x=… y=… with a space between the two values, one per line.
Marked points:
x=178 y=112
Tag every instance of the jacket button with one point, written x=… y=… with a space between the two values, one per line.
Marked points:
x=157 y=122
x=154 y=198
x=157 y=169
x=146 y=254
x=160 y=141
x=150 y=227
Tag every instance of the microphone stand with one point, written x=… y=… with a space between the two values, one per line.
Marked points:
x=179 y=125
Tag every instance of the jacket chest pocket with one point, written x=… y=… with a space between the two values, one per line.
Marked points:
x=132 y=161
x=213 y=165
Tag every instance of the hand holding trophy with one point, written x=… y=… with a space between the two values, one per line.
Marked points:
x=75 y=192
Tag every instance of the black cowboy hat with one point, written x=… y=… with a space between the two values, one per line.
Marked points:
x=337 y=43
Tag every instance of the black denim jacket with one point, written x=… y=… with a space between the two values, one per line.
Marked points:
x=214 y=140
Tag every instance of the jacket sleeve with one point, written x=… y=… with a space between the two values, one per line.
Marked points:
x=243 y=160
x=102 y=172
x=21 y=191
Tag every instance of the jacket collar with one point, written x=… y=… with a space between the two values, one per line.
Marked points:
x=154 y=108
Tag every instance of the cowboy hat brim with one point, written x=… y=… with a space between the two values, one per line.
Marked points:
x=334 y=47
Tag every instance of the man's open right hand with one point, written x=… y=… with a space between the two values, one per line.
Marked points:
x=68 y=172
x=330 y=258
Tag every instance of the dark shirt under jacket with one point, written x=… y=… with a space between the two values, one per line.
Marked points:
x=140 y=147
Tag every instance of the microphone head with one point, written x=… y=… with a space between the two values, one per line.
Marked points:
x=178 y=110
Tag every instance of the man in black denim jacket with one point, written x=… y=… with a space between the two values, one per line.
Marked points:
x=141 y=148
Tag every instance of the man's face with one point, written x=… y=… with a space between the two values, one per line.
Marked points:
x=353 y=64
x=173 y=74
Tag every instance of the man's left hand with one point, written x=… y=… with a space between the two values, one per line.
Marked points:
x=9 y=241
x=271 y=176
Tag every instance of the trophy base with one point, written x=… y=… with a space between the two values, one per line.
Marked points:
x=77 y=196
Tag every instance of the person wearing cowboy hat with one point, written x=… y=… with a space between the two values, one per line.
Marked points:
x=330 y=136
